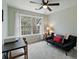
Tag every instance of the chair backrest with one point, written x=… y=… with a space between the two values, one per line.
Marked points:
x=25 y=40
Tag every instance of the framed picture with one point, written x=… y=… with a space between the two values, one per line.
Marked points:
x=2 y=15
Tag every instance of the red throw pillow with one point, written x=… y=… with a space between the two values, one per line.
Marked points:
x=57 y=39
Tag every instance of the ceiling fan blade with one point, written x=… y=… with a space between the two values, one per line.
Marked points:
x=53 y=4
x=35 y=2
x=47 y=1
x=43 y=2
x=39 y=8
x=49 y=9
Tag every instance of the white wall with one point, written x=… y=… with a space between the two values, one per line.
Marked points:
x=4 y=23
x=64 y=21
x=11 y=18
x=11 y=22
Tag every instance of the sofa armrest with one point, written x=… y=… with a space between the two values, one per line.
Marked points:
x=69 y=46
x=48 y=38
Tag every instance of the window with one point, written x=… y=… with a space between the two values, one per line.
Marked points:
x=30 y=25
x=36 y=25
x=25 y=25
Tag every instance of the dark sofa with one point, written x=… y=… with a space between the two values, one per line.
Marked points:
x=66 y=45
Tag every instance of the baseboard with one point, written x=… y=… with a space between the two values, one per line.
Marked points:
x=36 y=41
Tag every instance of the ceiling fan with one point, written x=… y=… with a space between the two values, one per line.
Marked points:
x=45 y=4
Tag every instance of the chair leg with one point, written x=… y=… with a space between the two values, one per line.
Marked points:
x=5 y=55
x=26 y=53
x=10 y=56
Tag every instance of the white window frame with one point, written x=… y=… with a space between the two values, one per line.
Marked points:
x=18 y=17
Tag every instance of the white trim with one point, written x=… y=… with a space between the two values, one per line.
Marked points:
x=30 y=15
x=9 y=37
x=30 y=35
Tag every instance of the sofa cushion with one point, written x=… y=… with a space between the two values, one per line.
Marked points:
x=57 y=39
x=55 y=43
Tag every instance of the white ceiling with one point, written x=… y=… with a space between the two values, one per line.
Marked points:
x=26 y=5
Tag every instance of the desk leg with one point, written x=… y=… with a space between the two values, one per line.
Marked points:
x=6 y=55
x=26 y=53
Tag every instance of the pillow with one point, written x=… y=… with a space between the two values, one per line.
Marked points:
x=57 y=39
x=62 y=38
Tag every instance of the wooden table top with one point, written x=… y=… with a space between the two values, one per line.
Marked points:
x=13 y=46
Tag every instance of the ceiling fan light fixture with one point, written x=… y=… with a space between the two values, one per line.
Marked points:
x=44 y=6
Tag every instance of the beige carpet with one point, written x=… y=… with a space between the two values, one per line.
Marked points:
x=41 y=50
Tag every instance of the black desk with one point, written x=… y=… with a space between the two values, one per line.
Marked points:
x=13 y=46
